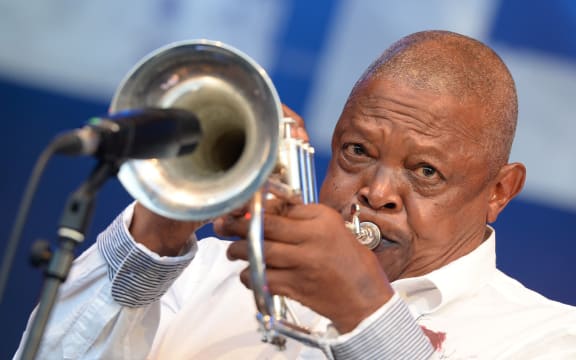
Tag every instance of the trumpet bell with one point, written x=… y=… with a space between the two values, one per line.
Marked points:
x=239 y=112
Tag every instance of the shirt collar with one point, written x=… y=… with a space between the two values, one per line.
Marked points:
x=430 y=292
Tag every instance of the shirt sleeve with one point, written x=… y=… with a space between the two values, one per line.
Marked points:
x=389 y=333
x=139 y=276
x=108 y=307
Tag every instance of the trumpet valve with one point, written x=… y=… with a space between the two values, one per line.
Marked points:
x=367 y=233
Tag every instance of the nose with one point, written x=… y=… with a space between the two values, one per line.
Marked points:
x=381 y=191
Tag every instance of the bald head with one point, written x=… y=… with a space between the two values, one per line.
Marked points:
x=453 y=64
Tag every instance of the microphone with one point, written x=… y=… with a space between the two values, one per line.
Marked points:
x=134 y=134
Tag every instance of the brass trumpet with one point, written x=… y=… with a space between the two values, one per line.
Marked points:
x=246 y=144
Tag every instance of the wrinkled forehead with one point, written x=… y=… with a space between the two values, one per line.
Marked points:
x=428 y=111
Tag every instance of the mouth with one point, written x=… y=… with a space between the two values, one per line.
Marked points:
x=384 y=244
x=371 y=236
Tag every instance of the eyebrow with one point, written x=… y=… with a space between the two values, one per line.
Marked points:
x=430 y=150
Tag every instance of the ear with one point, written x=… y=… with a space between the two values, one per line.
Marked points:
x=506 y=185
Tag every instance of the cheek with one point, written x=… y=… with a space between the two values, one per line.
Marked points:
x=330 y=191
x=426 y=214
x=436 y=223
x=337 y=188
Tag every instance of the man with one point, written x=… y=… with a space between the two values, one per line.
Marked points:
x=422 y=147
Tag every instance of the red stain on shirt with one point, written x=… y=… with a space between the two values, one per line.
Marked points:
x=436 y=337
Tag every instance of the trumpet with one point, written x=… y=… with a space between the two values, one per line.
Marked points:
x=246 y=146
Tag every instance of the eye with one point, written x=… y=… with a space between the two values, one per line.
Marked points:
x=354 y=149
x=426 y=179
x=354 y=157
x=427 y=171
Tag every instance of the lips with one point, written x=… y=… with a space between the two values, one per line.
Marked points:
x=389 y=235
x=385 y=243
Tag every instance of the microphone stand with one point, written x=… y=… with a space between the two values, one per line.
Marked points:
x=73 y=225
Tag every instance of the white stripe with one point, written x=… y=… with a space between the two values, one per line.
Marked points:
x=395 y=335
x=137 y=279
x=71 y=234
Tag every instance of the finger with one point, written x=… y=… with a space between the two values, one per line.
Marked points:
x=238 y=223
x=245 y=278
x=277 y=205
x=292 y=114
x=299 y=131
x=284 y=229
x=282 y=196
x=232 y=226
x=295 y=225
x=300 y=223
x=241 y=211
x=219 y=223
x=276 y=255
x=239 y=227
x=311 y=212
x=238 y=250
x=219 y=227
x=279 y=282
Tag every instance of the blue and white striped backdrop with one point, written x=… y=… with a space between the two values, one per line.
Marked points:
x=60 y=63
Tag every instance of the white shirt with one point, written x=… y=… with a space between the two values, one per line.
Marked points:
x=468 y=308
x=477 y=312
x=108 y=309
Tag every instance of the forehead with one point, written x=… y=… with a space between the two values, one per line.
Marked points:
x=428 y=113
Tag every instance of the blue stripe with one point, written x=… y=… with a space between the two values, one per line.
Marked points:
x=299 y=48
x=548 y=26
x=137 y=279
x=394 y=335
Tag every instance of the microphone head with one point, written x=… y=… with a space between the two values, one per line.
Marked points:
x=134 y=134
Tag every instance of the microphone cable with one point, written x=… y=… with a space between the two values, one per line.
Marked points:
x=53 y=147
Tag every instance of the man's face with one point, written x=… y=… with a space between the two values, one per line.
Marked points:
x=413 y=161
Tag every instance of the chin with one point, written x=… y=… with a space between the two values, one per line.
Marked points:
x=391 y=263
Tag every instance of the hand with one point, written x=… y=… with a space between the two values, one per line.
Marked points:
x=313 y=258
x=165 y=237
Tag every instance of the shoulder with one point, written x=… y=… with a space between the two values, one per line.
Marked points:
x=513 y=291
